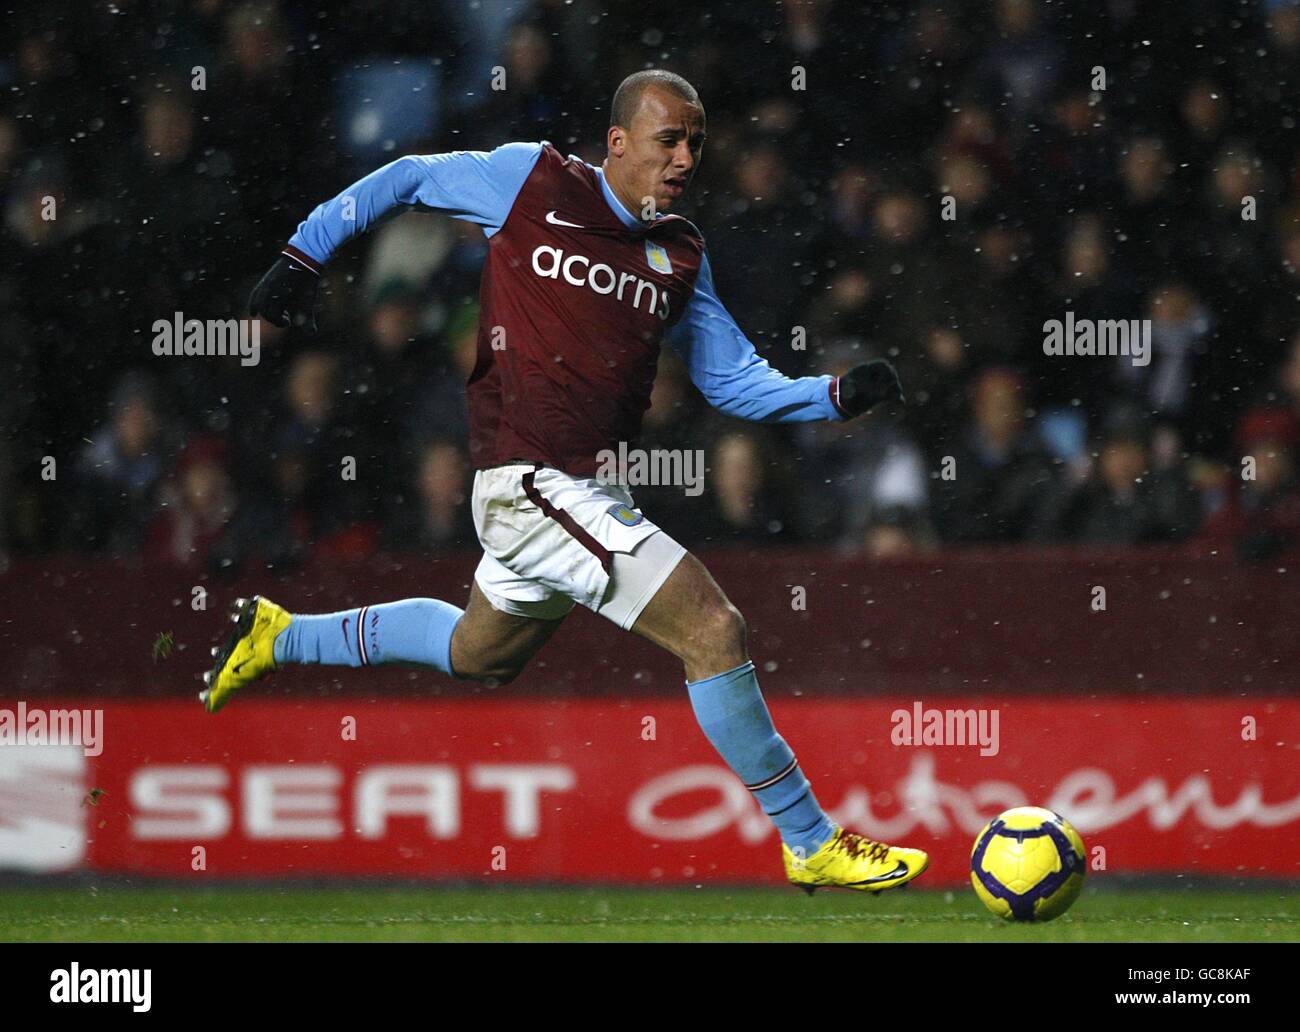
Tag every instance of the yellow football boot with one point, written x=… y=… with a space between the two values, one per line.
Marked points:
x=849 y=861
x=248 y=654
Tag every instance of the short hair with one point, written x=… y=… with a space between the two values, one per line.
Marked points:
x=627 y=98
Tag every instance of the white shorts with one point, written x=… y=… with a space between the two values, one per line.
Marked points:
x=550 y=540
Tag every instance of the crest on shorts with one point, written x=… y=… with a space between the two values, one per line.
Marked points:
x=624 y=515
x=657 y=258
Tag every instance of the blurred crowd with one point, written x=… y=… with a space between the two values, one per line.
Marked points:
x=950 y=177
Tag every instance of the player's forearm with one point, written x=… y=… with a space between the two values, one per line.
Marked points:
x=761 y=394
x=386 y=191
x=728 y=371
x=477 y=186
x=754 y=390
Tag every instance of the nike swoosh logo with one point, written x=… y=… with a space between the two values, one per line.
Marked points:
x=555 y=220
x=898 y=872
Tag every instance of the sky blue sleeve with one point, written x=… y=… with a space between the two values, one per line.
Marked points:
x=729 y=373
x=477 y=186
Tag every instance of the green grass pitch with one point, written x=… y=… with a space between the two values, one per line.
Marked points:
x=117 y=913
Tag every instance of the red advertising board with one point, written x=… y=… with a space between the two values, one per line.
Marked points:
x=998 y=622
x=630 y=790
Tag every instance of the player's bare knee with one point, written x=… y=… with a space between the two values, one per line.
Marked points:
x=721 y=637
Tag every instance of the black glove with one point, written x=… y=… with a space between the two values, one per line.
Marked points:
x=866 y=386
x=286 y=295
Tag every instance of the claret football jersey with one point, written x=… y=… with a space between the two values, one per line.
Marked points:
x=578 y=294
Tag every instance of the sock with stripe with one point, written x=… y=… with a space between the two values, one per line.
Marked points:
x=415 y=631
x=731 y=712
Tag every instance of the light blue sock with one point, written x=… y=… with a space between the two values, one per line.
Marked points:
x=415 y=631
x=731 y=711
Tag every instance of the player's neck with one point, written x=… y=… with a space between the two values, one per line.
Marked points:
x=618 y=188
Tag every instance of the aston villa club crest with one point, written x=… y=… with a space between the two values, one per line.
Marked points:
x=657 y=258
x=624 y=515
